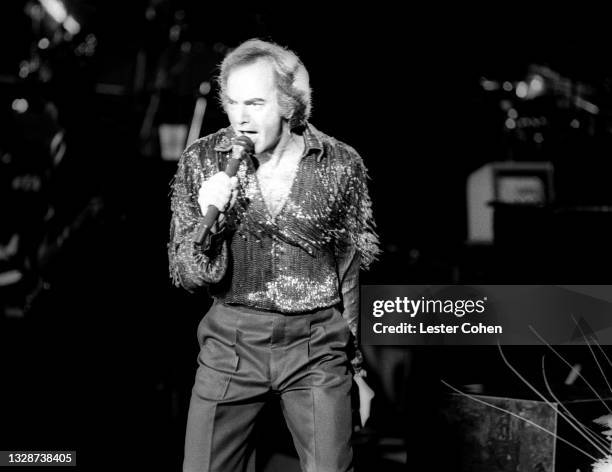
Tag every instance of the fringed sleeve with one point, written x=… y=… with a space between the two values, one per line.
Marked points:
x=359 y=246
x=193 y=266
x=357 y=207
x=348 y=270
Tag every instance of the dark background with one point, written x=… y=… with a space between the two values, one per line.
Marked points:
x=98 y=349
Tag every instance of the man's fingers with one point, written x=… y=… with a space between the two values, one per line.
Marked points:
x=217 y=191
x=365 y=399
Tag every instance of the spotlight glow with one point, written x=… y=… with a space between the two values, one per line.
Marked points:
x=72 y=25
x=20 y=105
x=536 y=85
x=521 y=89
x=56 y=9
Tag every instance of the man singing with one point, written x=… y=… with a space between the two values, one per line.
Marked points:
x=282 y=263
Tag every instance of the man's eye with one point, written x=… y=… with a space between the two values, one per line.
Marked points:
x=257 y=104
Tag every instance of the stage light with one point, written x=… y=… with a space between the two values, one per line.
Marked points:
x=72 y=25
x=489 y=85
x=55 y=9
x=536 y=85
x=43 y=43
x=205 y=88
x=585 y=105
x=24 y=69
x=533 y=86
x=20 y=105
x=521 y=90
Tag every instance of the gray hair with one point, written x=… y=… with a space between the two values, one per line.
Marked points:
x=291 y=77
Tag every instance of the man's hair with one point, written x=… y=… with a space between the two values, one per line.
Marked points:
x=290 y=75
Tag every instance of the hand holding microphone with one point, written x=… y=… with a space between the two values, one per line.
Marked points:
x=221 y=189
x=218 y=191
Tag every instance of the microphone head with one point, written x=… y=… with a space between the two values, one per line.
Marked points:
x=245 y=142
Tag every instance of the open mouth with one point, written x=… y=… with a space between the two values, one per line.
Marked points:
x=248 y=133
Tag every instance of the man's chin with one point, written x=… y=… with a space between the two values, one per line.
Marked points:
x=257 y=149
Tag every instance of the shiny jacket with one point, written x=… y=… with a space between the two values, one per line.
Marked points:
x=305 y=258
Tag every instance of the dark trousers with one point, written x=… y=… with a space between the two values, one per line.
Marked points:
x=247 y=354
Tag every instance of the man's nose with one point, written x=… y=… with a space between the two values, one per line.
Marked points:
x=243 y=115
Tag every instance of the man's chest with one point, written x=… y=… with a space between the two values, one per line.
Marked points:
x=276 y=182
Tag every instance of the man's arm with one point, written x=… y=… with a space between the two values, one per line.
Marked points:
x=349 y=278
x=358 y=245
x=348 y=271
x=359 y=249
x=191 y=265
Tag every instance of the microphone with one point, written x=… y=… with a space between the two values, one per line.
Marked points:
x=241 y=146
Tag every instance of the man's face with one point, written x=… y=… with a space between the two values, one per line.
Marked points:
x=252 y=106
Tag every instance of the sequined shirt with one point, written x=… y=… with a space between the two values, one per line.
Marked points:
x=304 y=258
